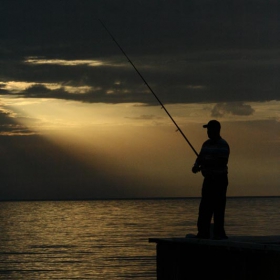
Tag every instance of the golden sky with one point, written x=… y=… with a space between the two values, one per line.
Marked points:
x=137 y=146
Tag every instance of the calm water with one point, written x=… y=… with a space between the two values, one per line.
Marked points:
x=109 y=239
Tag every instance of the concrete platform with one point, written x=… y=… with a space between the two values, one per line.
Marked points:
x=239 y=257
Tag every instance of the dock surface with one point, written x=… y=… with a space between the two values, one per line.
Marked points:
x=239 y=257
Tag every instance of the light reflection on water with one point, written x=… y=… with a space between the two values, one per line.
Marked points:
x=109 y=239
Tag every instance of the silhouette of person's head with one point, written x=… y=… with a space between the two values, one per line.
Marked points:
x=213 y=129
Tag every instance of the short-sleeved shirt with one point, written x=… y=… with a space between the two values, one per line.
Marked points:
x=213 y=157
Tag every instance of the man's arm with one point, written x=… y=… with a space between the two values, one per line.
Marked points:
x=197 y=165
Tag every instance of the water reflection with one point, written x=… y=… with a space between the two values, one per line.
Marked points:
x=109 y=239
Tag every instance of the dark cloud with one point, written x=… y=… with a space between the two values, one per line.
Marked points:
x=235 y=108
x=177 y=24
x=9 y=126
x=228 y=76
x=108 y=94
x=188 y=51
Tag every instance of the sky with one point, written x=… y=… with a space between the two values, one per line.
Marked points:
x=77 y=121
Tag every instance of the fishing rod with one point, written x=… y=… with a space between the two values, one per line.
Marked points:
x=163 y=107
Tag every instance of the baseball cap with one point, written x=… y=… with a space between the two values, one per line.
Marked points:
x=213 y=124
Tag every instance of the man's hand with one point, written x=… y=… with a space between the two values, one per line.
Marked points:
x=195 y=169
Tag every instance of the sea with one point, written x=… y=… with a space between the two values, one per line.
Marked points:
x=109 y=239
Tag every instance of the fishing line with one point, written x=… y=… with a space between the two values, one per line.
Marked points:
x=163 y=107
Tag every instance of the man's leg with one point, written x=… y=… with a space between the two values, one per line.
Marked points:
x=219 y=208
x=205 y=210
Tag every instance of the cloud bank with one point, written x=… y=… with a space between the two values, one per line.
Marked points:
x=235 y=108
x=188 y=51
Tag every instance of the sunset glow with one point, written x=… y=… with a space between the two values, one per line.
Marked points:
x=77 y=120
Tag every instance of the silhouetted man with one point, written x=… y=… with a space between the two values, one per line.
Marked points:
x=212 y=162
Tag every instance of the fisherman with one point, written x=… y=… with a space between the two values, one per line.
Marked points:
x=212 y=162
